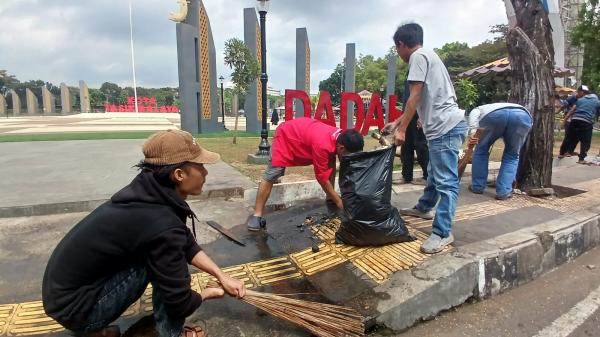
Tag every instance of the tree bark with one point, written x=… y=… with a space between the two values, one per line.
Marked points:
x=531 y=56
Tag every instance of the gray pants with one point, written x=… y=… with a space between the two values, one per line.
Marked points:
x=272 y=173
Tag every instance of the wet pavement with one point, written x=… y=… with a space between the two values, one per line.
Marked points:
x=278 y=261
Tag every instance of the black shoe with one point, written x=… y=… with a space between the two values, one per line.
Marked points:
x=473 y=191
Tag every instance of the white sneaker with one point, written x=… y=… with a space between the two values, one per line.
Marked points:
x=416 y=213
x=435 y=243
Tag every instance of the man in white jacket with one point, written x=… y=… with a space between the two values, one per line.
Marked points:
x=508 y=121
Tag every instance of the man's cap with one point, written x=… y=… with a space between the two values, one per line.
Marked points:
x=583 y=88
x=174 y=147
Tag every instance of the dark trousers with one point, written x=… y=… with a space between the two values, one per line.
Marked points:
x=415 y=141
x=578 y=131
x=563 y=146
x=120 y=292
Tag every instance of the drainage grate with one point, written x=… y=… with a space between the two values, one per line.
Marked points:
x=274 y=270
x=379 y=263
x=311 y=263
x=29 y=319
x=6 y=312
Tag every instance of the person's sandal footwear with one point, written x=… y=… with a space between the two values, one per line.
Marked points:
x=256 y=223
x=109 y=331
x=192 y=331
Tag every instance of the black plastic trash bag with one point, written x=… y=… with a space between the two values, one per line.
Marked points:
x=366 y=186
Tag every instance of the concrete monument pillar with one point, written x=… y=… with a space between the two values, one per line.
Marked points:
x=350 y=78
x=65 y=99
x=3 y=105
x=16 y=103
x=391 y=84
x=33 y=105
x=302 y=67
x=197 y=71
x=253 y=103
x=84 y=97
x=48 y=101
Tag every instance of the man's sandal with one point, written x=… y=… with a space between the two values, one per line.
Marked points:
x=192 y=331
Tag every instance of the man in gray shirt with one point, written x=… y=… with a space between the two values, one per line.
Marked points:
x=433 y=96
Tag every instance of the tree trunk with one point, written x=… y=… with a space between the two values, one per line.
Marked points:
x=531 y=56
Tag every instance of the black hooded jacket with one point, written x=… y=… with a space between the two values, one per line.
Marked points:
x=142 y=226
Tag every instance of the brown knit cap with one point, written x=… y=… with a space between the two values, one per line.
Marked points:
x=175 y=147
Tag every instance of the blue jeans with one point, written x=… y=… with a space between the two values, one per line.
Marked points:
x=512 y=125
x=121 y=291
x=442 y=179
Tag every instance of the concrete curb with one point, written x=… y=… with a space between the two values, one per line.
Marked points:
x=90 y=205
x=285 y=195
x=484 y=269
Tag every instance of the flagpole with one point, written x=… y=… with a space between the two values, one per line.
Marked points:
x=132 y=58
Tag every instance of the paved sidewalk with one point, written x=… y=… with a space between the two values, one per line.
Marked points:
x=92 y=122
x=101 y=122
x=500 y=245
x=45 y=177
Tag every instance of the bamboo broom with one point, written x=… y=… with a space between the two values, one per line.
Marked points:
x=325 y=320
x=466 y=159
x=321 y=319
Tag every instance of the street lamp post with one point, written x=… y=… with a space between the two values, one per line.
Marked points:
x=263 y=148
x=222 y=102
x=381 y=98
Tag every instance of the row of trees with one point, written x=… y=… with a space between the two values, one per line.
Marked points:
x=113 y=93
x=371 y=71
x=458 y=57
x=10 y=82
x=107 y=93
x=586 y=34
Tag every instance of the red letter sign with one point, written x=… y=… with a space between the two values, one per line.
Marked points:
x=325 y=105
x=360 y=110
x=393 y=114
x=374 y=115
x=290 y=94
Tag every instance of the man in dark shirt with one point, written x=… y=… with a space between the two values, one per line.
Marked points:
x=104 y=264
x=415 y=141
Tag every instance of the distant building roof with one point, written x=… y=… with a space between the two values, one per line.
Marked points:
x=365 y=94
x=503 y=65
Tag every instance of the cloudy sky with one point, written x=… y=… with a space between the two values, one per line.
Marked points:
x=69 y=40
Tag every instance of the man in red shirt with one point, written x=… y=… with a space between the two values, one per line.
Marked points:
x=301 y=142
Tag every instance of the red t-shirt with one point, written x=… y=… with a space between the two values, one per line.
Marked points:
x=304 y=141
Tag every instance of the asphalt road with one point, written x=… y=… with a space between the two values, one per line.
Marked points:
x=562 y=303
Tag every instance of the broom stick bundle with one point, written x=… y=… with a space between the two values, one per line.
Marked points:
x=321 y=319
x=466 y=159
